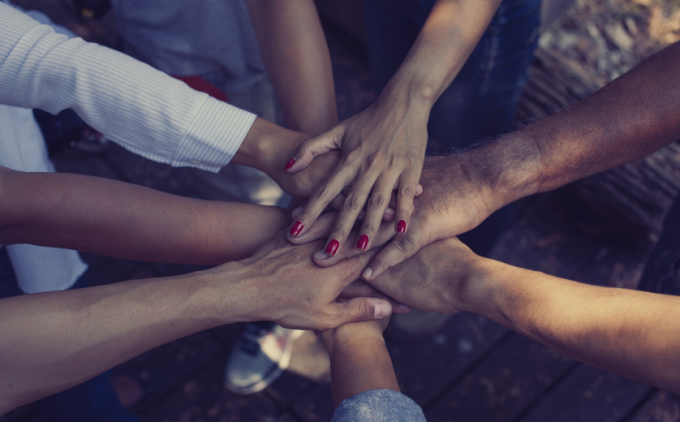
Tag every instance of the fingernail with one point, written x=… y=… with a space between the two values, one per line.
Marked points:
x=321 y=255
x=401 y=227
x=363 y=242
x=332 y=247
x=296 y=229
x=419 y=190
x=390 y=211
x=297 y=211
x=381 y=310
x=290 y=163
x=367 y=273
x=404 y=307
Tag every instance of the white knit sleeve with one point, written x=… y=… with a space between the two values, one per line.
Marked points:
x=137 y=106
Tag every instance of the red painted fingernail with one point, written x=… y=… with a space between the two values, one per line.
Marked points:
x=297 y=228
x=290 y=163
x=363 y=242
x=332 y=247
x=401 y=226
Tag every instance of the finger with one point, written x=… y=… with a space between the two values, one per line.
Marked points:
x=323 y=259
x=356 y=198
x=360 y=309
x=407 y=189
x=375 y=209
x=341 y=176
x=398 y=250
x=360 y=288
x=308 y=150
x=319 y=230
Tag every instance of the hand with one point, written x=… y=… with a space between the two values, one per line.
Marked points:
x=383 y=149
x=353 y=331
x=455 y=200
x=280 y=283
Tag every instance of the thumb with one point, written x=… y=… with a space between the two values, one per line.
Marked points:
x=362 y=309
x=312 y=148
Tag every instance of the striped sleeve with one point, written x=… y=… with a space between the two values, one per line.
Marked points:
x=139 y=107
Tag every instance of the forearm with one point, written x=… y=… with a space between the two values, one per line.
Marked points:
x=450 y=34
x=360 y=364
x=52 y=341
x=631 y=333
x=128 y=221
x=631 y=117
x=296 y=56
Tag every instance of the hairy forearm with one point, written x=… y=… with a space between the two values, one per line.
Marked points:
x=52 y=341
x=631 y=333
x=127 y=221
x=296 y=56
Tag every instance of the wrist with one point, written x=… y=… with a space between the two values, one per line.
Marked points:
x=351 y=336
x=227 y=293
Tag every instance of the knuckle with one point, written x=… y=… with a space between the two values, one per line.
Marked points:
x=352 y=203
x=363 y=310
x=405 y=244
x=368 y=229
x=339 y=233
x=376 y=201
x=407 y=191
x=323 y=193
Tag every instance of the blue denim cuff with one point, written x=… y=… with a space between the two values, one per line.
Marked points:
x=378 y=406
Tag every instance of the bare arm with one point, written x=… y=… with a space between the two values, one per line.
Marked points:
x=359 y=359
x=52 y=341
x=632 y=333
x=631 y=117
x=296 y=56
x=383 y=147
x=131 y=222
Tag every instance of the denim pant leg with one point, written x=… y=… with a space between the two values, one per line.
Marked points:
x=378 y=406
x=482 y=100
x=662 y=271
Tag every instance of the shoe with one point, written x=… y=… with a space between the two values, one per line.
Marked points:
x=259 y=357
x=416 y=325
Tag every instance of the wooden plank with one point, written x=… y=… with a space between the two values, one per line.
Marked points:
x=424 y=368
x=589 y=394
x=662 y=406
x=503 y=386
x=170 y=366
x=202 y=397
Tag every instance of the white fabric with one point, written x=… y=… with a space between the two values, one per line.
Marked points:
x=22 y=147
x=144 y=110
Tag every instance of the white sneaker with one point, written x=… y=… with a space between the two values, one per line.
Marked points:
x=259 y=357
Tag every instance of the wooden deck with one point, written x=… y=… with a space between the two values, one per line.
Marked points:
x=473 y=370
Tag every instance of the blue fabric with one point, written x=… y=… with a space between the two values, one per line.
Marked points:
x=662 y=271
x=378 y=406
x=92 y=401
x=482 y=100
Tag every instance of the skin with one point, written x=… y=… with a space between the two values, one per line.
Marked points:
x=629 y=118
x=296 y=56
x=52 y=341
x=383 y=147
x=631 y=333
x=359 y=359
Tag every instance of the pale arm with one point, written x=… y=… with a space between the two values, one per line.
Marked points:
x=296 y=57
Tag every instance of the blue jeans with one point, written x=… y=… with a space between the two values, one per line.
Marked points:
x=378 y=406
x=482 y=100
x=92 y=401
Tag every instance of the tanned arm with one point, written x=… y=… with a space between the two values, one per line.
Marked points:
x=631 y=333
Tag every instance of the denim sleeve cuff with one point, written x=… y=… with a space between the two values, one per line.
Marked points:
x=213 y=137
x=378 y=406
